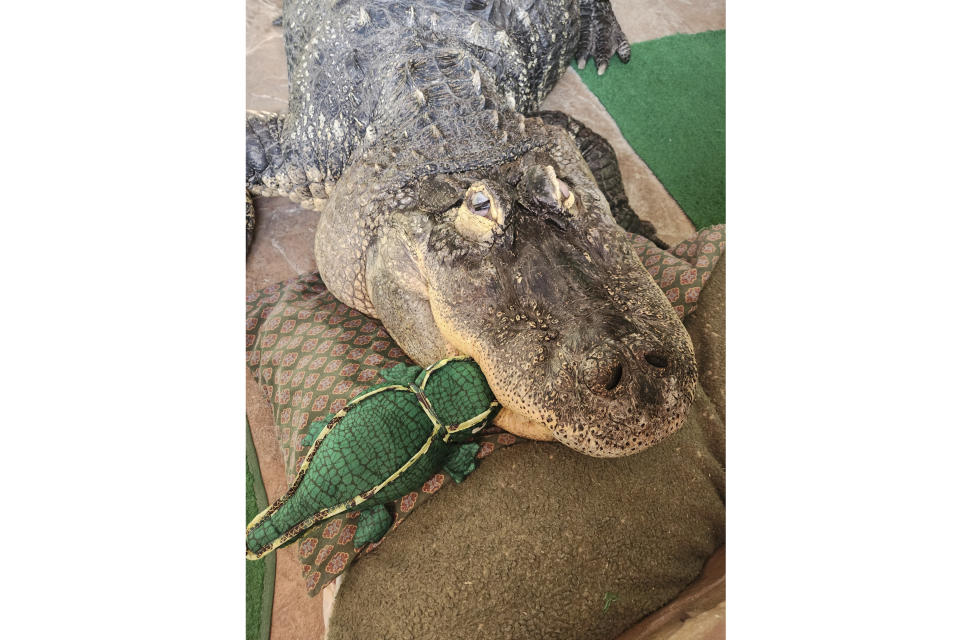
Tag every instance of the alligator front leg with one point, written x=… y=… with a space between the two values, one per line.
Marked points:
x=264 y=158
x=602 y=160
x=273 y=169
x=600 y=35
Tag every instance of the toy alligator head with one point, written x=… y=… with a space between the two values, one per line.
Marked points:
x=517 y=262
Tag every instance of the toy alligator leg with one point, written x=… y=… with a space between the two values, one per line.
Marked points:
x=602 y=161
x=374 y=524
x=462 y=461
x=401 y=373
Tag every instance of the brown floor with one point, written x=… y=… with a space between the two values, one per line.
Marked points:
x=283 y=248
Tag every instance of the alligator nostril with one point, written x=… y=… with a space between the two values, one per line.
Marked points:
x=614 y=377
x=602 y=371
x=656 y=359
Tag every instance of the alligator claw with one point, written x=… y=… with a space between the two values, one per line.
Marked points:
x=600 y=35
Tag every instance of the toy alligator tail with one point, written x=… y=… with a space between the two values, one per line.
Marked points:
x=288 y=518
x=284 y=521
x=269 y=530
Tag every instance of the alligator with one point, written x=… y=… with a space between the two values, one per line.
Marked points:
x=468 y=222
x=385 y=443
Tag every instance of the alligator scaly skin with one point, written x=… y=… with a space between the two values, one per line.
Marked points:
x=361 y=70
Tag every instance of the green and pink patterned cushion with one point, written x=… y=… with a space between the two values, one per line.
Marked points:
x=311 y=355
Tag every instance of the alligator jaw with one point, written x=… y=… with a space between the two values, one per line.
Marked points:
x=524 y=427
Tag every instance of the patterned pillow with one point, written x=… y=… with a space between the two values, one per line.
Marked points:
x=311 y=354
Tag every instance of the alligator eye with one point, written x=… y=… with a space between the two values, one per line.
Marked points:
x=480 y=204
x=479 y=215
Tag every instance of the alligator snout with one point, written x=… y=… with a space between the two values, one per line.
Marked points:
x=623 y=393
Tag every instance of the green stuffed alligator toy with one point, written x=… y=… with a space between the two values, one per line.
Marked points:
x=384 y=444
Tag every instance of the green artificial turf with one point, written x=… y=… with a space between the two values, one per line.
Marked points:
x=669 y=103
x=260 y=573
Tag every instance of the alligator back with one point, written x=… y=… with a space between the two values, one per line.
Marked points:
x=349 y=63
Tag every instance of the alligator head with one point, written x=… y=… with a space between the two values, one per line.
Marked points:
x=520 y=265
